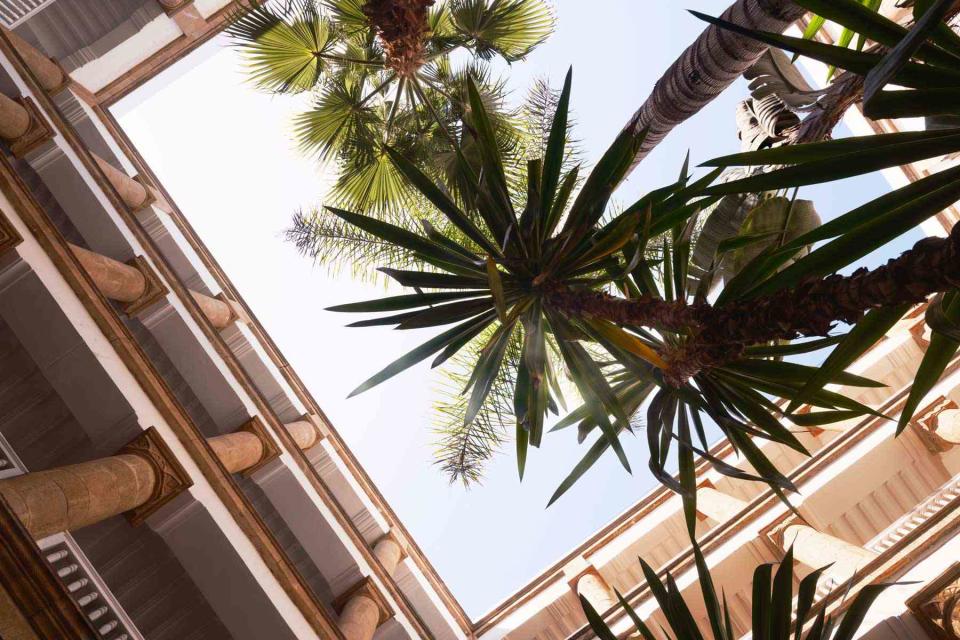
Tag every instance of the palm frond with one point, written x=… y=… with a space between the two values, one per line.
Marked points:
x=508 y=28
x=284 y=44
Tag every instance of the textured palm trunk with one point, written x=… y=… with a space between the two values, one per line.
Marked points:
x=719 y=334
x=715 y=60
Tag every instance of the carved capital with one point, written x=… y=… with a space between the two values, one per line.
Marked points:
x=925 y=424
x=237 y=312
x=365 y=587
x=151 y=197
x=154 y=291
x=36 y=135
x=270 y=450
x=9 y=236
x=773 y=535
x=319 y=425
x=937 y=605
x=171 y=7
x=172 y=478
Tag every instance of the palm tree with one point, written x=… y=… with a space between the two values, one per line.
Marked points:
x=612 y=295
x=381 y=72
x=775 y=614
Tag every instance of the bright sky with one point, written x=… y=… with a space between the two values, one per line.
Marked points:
x=225 y=154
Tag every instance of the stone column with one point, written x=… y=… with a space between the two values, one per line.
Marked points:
x=595 y=589
x=817 y=549
x=47 y=72
x=14 y=119
x=68 y=498
x=115 y=280
x=717 y=505
x=362 y=609
x=246 y=449
x=134 y=195
x=948 y=426
x=389 y=552
x=22 y=125
x=304 y=433
x=237 y=451
x=217 y=312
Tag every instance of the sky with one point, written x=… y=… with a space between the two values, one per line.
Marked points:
x=226 y=155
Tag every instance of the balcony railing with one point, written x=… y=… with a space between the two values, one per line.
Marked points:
x=13 y=12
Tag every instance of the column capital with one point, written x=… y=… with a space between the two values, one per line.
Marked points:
x=9 y=236
x=172 y=478
x=927 y=421
x=237 y=312
x=365 y=587
x=38 y=133
x=319 y=424
x=270 y=449
x=937 y=605
x=151 y=198
x=171 y=7
x=154 y=291
x=773 y=535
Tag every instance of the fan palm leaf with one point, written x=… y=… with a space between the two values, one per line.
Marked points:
x=287 y=46
x=509 y=28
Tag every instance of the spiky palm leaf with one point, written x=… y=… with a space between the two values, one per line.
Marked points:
x=550 y=264
x=776 y=615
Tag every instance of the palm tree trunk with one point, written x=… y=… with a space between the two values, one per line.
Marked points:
x=707 y=67
x=719 y=334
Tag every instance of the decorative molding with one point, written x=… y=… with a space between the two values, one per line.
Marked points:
x=172 y=478
x=270 y=449
x=38 y=133
x=937 y=605
x=154 y=291
x=33 y=588
x=365 y=587
x=925 y=424
x=9 y=236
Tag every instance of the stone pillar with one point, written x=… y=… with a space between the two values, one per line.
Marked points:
x=134 y=195
x=816 y=549
x=362 y=609
x=304 y=433
x=133 y=283
x=115 y=280
x=68 y=498
x=246 y=449
x=389 y=552
x=14 y=119
x=717 y=505
x=217 y=312
x=237 y=451
x=948 y=426
x=595 y=589
x=47 y=72
x=21 y=125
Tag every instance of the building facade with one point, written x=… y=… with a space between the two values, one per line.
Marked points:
x=164 y=473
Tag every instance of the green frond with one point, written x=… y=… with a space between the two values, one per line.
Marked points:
x=339 y=246
x=284 y=44
x=508 y=28
x=371 y=182
x=463 y=450
x=348 y=14
x=341 y=114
